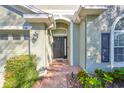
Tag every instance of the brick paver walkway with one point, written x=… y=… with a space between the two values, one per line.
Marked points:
x=56 y=75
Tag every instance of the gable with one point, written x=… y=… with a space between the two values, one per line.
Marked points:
x=10 y=18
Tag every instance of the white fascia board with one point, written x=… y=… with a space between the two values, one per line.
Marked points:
x=94 y=6
x=76 y=17
x=42 y=16
x=35 y=16
x=15 y=27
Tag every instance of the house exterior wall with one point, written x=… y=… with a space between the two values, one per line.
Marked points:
x=76 y=44
x=82 y=41
x=95 y=26
x=68 y=44
x=93 y=56
x=48 y=47
x=10 y=48
x=39 y=43
x=41 y=47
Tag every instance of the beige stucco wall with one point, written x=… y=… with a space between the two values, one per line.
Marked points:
x=68 y=44
x=94 y=46
x=41 y=47
x=82 y=41
x=48 y=47
x=76 y=44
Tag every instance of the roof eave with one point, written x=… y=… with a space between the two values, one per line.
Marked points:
x=77 y=18
x=41 y=18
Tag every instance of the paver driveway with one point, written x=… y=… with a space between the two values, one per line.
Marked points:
x=56 y=75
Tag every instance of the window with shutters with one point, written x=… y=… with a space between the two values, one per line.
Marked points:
x=105 y=45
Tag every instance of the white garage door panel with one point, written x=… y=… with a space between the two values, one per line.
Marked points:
x=15 y=47
x=10 y=48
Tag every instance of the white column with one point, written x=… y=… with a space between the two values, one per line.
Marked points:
x=71 y=43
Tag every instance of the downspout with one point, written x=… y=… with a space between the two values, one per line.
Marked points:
x=45 y=46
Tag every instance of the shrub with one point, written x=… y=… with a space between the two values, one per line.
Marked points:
x=87 y=81
x=20 y=72
x=119 y=74
x=105 y=77
x=92 y=82
x=99 y=73
x=100 y=79
x=82 y=73
x=81 y=76
x=108 y=79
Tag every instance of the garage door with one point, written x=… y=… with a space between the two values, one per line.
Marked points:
x=12 y=43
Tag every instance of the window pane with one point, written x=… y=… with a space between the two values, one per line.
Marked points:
x=16 y=37
x=3 y=36
x=116 y=38
x=121 y=42
x=119 y=54
x=119 y=39
x=26 y=37
x=116 y=43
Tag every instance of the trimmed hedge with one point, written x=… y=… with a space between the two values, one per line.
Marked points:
x=20 y=72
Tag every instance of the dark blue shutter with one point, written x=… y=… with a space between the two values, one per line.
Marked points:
x=105 y=45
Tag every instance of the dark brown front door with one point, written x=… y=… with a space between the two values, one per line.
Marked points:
x=59 y=47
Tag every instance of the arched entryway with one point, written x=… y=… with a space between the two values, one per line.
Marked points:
x=61 y=39
x=117 y=42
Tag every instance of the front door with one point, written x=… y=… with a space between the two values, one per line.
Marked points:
x=59 y=47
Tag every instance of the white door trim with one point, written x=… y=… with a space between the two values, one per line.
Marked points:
x=65 y=46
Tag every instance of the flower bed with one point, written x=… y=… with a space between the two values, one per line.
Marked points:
x=100 y=79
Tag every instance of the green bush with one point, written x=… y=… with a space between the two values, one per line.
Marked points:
x=119 y=74
x=99 y=73
x=105 y=77
x=87 y=81
x=82 y=76
x=108 y=79
x=100 y=79
x=20 y=72
x=82 y=73
x=92 y=82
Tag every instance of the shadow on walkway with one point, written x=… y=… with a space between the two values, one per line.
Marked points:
x=56 y=75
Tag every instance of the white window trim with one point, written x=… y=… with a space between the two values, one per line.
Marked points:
x=115 y=64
